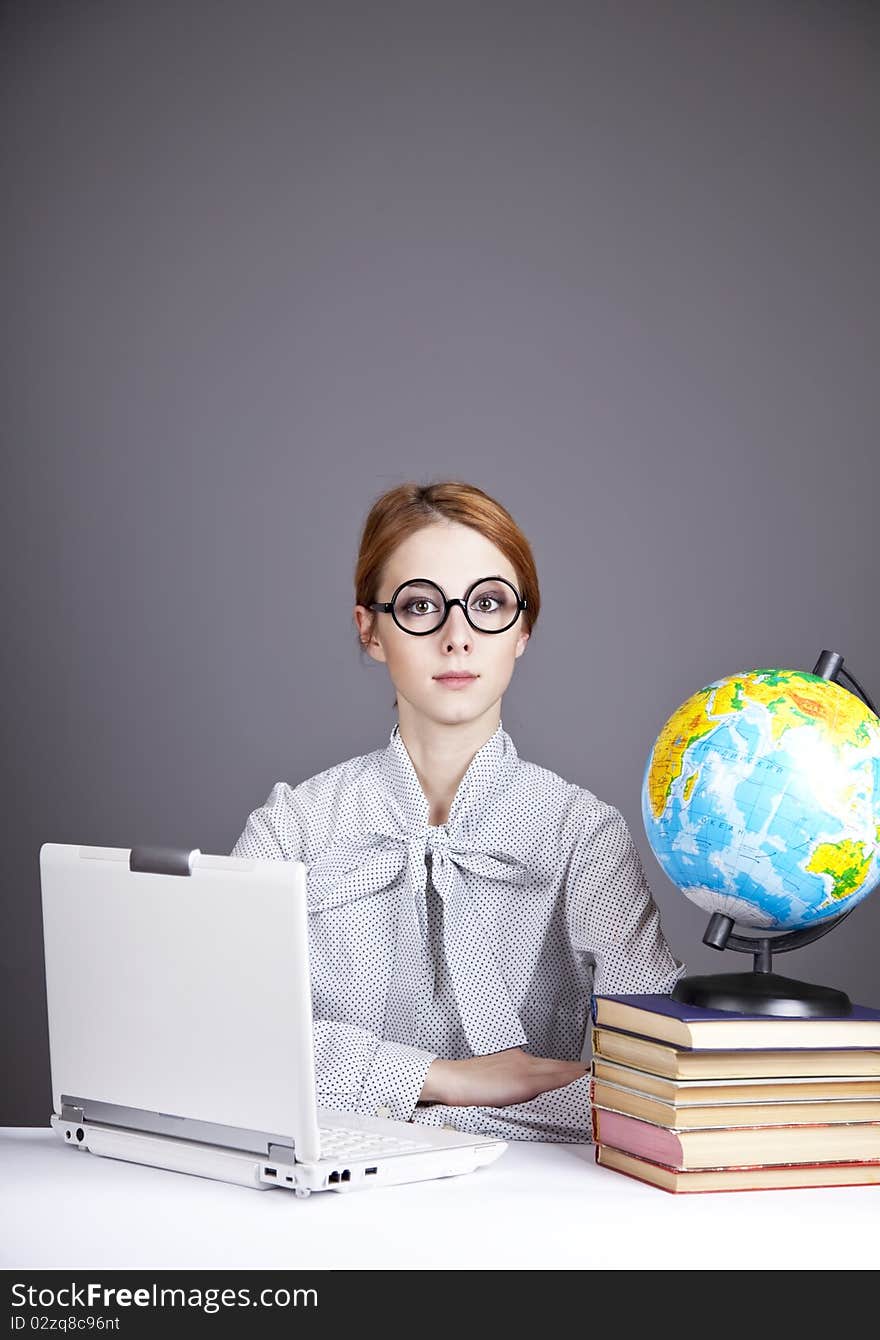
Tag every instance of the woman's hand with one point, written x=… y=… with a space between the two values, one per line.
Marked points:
x=511 y=1076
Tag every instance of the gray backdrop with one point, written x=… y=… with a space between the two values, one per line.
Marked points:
x=613 y=262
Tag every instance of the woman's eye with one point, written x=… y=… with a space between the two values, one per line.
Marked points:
x=484 y=603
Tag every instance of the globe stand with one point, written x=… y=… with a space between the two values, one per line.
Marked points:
x=762 y=991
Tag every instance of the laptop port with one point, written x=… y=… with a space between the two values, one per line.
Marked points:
x=334 y=1177
x=346 y=1176
x=368 y=1171
x=271 y=1172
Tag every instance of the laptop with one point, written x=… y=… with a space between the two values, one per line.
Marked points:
x=180 y=1027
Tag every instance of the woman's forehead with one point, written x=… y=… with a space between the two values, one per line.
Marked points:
x=449 y=554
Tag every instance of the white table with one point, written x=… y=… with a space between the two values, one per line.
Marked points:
x=538 y=1206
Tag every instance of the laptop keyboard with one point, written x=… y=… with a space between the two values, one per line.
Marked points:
x=336 y=1141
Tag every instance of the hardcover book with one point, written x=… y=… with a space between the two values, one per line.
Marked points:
x=661 y=1058
x=772 y=1088
x=693 y=1116
x=739 y=1146
x=759 y=1178
x=668 y=1020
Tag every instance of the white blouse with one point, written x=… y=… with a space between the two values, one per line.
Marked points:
x=487 y=932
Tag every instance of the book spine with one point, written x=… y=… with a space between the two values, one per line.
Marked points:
x=659 y=1144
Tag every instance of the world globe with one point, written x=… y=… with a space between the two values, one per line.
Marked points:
x=761 y=799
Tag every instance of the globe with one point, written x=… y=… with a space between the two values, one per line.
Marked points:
x=761 y=799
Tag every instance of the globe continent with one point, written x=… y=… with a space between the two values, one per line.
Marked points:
x=761 y=798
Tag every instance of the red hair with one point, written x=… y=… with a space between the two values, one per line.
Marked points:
x=401 y=511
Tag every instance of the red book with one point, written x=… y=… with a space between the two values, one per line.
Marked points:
x=738 y=1146
x=771 y=1178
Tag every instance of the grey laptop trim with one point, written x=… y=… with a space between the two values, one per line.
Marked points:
x=81 y=1111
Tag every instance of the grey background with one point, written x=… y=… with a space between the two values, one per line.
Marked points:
x=613 y=262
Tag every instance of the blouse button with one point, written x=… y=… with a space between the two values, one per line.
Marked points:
x=383 y=1111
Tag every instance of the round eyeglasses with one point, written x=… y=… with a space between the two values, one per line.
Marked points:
x=419 y=606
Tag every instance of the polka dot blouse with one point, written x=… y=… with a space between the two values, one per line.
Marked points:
x=489 y=931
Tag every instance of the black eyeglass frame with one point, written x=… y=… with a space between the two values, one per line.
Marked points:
x=387 y=607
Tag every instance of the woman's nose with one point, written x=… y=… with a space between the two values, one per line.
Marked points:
x=456 y=628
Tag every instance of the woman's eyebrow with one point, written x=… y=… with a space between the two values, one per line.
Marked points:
x=481 y=577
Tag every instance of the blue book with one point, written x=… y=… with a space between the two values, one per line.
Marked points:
x=693 y=1026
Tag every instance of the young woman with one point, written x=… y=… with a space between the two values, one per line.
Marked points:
x=463 y=903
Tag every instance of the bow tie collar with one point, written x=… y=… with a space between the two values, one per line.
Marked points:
x=393 y=854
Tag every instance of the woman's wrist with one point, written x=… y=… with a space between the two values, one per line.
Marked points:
x=436 y=1080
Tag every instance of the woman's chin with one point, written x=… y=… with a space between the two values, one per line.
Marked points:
x=457 y=709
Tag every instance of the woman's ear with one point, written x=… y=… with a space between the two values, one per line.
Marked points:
x=521 y=643
x=365 y=620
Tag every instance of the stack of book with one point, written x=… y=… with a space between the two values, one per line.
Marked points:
x=692 y=1099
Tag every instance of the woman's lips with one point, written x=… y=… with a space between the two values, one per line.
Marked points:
x=456 y=681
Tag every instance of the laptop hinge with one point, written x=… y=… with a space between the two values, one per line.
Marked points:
x=79 y=1110
x=282 y=1154
x=162 y=860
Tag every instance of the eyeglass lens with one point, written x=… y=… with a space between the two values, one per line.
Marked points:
x=492 y=606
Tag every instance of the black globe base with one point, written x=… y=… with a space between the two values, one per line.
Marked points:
x=762 y=993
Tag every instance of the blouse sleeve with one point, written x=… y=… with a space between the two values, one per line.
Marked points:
x=355 y=1070
x=610 y=910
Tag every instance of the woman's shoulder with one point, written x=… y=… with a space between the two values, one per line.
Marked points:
x=573 y=810
x=327 y=783
x=323 y=789
x=546 y=785
x=302 y=814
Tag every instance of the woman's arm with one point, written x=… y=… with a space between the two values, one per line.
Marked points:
x=610 y=910
x=499 y=1080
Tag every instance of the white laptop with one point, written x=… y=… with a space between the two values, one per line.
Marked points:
x=180 y=1027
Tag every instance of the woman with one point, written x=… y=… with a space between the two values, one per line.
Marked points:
x=463 y=903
